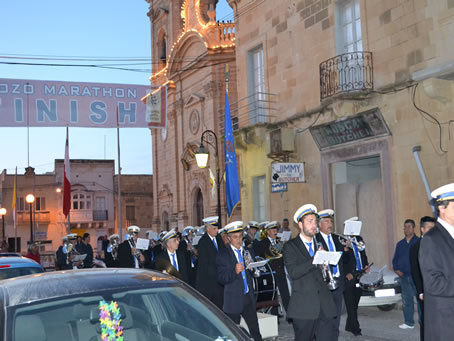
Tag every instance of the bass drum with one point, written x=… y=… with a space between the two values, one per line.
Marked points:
x=265 y=288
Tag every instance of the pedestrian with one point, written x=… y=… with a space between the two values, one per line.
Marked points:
x=33 y=253
x=436 y=256
x=426 y=223
x=401 y=265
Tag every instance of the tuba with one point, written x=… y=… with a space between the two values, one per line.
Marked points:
x=275 y=251
x=112 y=248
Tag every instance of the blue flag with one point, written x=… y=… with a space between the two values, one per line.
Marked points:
x=232 y=188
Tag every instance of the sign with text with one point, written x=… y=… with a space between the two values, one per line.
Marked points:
x=32 y=103
x=287 y=172
x=364 y=125
x=279 y=187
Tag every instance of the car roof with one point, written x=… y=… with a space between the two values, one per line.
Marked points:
x=18 y=262
x=47 y=285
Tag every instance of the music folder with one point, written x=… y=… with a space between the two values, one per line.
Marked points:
x=258 y=264
x=77 y=258
x=142 y=244
x=326 y=257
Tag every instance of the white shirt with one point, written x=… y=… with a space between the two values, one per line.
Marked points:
x=307 y=241
x=273 y=241
x=171 y=258
x=236 y=253
x=447 y=226
x=325 y=238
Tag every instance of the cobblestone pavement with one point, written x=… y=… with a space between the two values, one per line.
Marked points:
x=376 y=325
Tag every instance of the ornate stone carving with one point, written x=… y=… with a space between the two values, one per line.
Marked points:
x=194 y=122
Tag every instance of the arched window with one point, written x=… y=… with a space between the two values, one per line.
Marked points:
x=163 y=56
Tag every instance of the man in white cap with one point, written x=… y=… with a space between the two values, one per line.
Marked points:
x=436 y=255
x=173 y=255
x=208 y=247
x=239 y=298
x=311 y=304
x=330 y=242
x=268 y=248
x=128 y=257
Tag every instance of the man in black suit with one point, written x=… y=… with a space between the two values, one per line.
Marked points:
x=208 y=247
x=127 y=257
x=330 y=242
x=426 y=223
x=355 y=263
x=239 y=298
x=436 y=255
x=111 y=255
x=173 y=255
x=267 y=249
x=311 y=304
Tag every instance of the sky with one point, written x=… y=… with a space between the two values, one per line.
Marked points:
x=89 y=29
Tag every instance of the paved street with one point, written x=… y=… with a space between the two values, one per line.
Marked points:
x=376 y=325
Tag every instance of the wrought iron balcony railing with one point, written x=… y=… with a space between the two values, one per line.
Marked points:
x=345 y=73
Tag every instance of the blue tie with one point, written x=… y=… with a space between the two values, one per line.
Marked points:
x=215 y=244
x=311 y=251
x=358 y=257
x=331 y=248
x=243 y=273
x=174 y=262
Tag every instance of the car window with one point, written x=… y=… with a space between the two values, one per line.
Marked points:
x=167 y=313
x=16 y=272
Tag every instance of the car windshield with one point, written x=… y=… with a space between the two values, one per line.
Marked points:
x=16 y=272
x=163 y=313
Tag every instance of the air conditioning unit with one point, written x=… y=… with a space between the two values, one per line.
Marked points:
x=281 y=140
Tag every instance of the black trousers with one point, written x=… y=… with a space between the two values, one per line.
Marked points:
x=338 y=297
x=421 y=323
x=249 y=314
x=308 y=330
x=352 y=294
x=281 y=281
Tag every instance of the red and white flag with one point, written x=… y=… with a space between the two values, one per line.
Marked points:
x=66 y=180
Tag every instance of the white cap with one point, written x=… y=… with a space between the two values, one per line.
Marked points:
x=304 y=210
x=133 y=229
x=169 y=235
x=114 y=236
x=326 y=213
x=253 y=224
x=234 y=226
x=352 y=219
x=443 y=193
x=271 y=225
x=211 y=221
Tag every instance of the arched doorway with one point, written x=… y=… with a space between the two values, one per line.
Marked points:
x=198 y=208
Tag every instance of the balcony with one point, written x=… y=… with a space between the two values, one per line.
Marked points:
x=257 y=108
x=100 y=215
x=346 y=73
x=42 y=217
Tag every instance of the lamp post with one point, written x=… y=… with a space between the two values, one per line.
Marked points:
x=2 y=213
x=30 y=198
x=201 y=156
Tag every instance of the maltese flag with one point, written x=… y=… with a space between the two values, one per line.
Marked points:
x=66 y=180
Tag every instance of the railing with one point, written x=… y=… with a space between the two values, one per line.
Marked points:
x=100 y=215
x=258 y=107
x=38 y=217
x=346 y=73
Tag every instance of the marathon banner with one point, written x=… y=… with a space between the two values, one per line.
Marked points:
x=32 y=103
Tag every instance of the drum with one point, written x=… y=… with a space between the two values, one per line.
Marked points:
x=265 y=288
x=371 y=281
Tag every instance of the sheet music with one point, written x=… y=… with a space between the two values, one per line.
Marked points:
x=258 y=264
x=352 y=228
x=77 y=258
x=286 y=236
x=326 y=257
x=195 y=240
x=142 y=244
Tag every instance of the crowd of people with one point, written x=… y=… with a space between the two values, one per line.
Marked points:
x=311 y=295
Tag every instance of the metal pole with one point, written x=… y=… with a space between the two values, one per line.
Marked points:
x=31 y=223
x=416 y=151
x=120 y=232
x=3 y=227
x=218 y=184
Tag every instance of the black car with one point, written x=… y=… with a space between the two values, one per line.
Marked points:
x=91 y=304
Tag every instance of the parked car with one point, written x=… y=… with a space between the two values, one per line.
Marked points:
x=12 y=265
x=383 y=292
x=83 y=304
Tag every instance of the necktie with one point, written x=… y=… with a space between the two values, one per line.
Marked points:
x=136 y=262
x=215 y=244
x=243 y=273
x=358 y=257
x=311 y=251
x=331 y=248
x=174 y=262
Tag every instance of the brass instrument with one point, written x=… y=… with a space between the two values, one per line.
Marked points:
x=326 y=271
x=112 y=248
x=344 y=240
x=248 y=260
x=275 y=251
x=138 y=252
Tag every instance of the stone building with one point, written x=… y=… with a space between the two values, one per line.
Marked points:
x=348 y=88
x=189 y=52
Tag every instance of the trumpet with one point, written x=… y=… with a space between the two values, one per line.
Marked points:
x=326 y=272
x=132 y=243
x=248 y=260
x=344 y=240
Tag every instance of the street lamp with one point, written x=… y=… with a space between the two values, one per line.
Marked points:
x=2 y=213
x=201 y=157
x=30 y=198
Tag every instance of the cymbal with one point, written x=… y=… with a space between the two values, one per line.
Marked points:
x=165 y=265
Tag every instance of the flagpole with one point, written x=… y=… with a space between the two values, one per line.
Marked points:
x=120 y=231
x=14 y=210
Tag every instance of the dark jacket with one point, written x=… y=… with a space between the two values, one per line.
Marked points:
x=401 y=259
x=340 y=248
x=310 y=294
x=125 y=259
x=436 y=255
x=415 y=269
x=232 y=282
x=182 y=266
x=349 y=262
